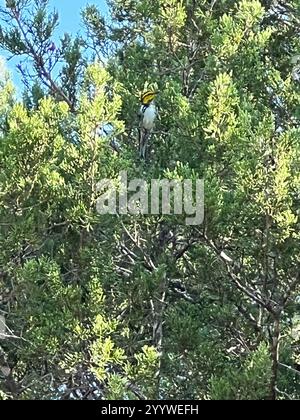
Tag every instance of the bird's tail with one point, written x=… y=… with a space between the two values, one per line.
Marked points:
x=143 y=142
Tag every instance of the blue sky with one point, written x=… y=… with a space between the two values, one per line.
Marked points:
x=69 y=21
x=69 y=11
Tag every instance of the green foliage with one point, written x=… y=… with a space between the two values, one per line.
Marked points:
x=249 y=382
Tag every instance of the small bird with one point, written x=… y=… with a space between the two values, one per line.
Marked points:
x=147 y=114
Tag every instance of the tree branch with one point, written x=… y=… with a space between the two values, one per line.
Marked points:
x=39 y=62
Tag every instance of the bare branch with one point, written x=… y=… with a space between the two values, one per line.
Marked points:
x=296 y=372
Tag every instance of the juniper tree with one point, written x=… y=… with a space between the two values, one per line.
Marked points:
x=146 y=306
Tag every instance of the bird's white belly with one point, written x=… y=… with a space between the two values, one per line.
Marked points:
x=149 y=117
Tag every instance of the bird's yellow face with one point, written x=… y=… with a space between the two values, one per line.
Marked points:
x=148 y=97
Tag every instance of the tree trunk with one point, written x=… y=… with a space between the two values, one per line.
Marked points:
x=274 y=347
x=158 y=310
